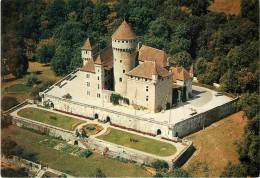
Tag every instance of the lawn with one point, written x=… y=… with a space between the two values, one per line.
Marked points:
x=43 y=116
x=215 y=146
x=44 y=74
x=62 y=160
x=18 y=88
x=144 y=144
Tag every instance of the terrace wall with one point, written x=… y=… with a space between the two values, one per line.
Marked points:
x=204 y=119
x=43 y=128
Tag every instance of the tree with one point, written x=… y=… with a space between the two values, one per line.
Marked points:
x=160 y=164
x=31 y=79
x=8 y=146
x=200 y=66
x=183 y=59
x=178 y=172
x=45 y=54
x=233 y=170
x=8 y=102
x=10 y=172
x=249 y=9
x=97 y=173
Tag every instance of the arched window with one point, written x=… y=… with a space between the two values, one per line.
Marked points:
x=108 y=119
x=96 y=116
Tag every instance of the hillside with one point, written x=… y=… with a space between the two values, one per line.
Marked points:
x=226 y=6
x=215 y=146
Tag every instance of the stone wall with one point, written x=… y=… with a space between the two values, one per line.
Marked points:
x=117 y=151
x=50 y=130
x=127 y=120
x=204 y=119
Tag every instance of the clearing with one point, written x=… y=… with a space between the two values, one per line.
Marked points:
x=215 y=146
x=227 y=6
x=43 y=116
x=43 y=149
x=144 y=144
x=44 y=74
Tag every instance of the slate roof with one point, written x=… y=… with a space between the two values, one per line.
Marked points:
x=124 y=32
x=179 y=73
x=90 y=44
x=148 y=53
x=147 y=69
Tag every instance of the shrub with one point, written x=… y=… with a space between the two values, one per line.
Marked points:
x=160 y=164
x=31 y=79
x=97 y=173
x=115 y=98
x=8 y=102
x=86 y=154
x=133 y=140
x=126 y=100
x=53 y=117
x=158 y=175
x=67 y=96
x=179 y=172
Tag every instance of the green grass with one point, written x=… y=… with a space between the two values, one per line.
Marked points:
x=144 y=144
x=60 y=160
x=19 y=88
x=43 y=116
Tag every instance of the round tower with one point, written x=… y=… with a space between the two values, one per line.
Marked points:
x=124 y=43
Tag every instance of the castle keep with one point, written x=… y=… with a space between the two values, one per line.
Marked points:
x=139 y=73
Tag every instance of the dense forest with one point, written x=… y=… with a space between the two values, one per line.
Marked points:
x=223 y=48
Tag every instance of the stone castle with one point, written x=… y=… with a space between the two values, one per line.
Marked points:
x=141 y=74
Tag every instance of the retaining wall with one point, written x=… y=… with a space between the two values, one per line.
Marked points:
x=204 y=119
x=50 y=130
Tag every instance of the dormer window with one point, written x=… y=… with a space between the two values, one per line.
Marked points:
x=123 y=41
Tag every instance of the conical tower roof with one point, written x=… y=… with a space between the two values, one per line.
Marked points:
x=124 y=32
x=90 y=44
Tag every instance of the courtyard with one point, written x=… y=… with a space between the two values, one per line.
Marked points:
x=203 y=100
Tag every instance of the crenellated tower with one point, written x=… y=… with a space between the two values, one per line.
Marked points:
x=124 y=43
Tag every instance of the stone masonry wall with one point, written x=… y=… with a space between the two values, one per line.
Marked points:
x=52 y=131
x=201 y=120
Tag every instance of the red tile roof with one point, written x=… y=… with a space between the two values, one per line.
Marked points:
x=147 y=69
x=89 y=66
x=149 y=54
x=179 y=73
x=90 y=44
x=104 y=56
x=124 y=32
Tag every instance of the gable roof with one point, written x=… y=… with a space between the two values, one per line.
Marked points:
x=124 y=32
x=89 y=66
x=148 y=53
x=147 y=69
x=90 y=44
x=104 y=56
x=179 y=73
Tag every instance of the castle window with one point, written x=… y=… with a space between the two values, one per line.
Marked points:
x=126 y=41
x=87 y=76
x=98 y=70
x=131 y=76
x=118 y=41
x=147 y=88
x=98 y=78
x=146 y=79
x=138 y=78
x=123 y=71
x=98 y=86
x=120 y=79
x=131 y=41
x=88 y=92
x=115 y=40
x=120 y=61
x=147 y=97
x=98 y=95
x=88 y=84
x=123 y=41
